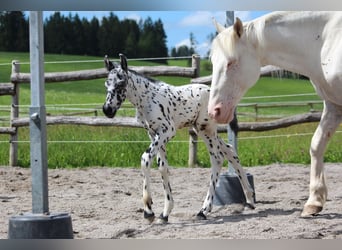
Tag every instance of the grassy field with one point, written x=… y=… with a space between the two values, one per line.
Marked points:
x=81 y=146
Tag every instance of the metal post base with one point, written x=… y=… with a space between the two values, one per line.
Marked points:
x=229 y=190
x=40 y=226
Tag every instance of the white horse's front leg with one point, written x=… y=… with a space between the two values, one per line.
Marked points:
x=164 y=171
x=330 y=120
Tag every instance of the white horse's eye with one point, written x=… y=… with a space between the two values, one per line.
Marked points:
x=231 y=64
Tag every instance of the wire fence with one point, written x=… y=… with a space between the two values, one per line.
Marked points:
x=172 y=141
x=100 y=61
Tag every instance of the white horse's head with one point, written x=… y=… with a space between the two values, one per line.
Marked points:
x=235 y=69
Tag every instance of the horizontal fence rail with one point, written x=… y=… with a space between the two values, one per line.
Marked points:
x=7 y=89
x=133 y=123
x=102 y=73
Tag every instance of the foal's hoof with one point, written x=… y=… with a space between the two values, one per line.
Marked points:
x=250 y=206
x=149 y=217
x=311 y=210
x=163 y=219
x=201 y=216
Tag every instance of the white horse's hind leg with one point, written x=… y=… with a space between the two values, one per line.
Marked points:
x=330 y=120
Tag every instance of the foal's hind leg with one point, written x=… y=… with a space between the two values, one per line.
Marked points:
x=233 y=158
x=164 y=171
x=330 y=120
x=218 y=150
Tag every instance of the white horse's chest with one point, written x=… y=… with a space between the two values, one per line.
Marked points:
x=330 y=86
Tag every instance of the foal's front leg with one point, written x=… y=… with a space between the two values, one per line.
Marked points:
x=146 y=161
x=216 y=160
x=158 y=145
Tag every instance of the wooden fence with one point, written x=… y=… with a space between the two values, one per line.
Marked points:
x=18 y=78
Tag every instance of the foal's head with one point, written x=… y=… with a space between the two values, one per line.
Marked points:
x=116 y=85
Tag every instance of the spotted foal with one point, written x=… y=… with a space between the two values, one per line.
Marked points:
x=162 y=109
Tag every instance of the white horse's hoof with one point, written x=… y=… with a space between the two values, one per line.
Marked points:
x=311 y=210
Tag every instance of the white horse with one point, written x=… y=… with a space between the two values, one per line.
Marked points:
x=309 y=43
x=162 y=109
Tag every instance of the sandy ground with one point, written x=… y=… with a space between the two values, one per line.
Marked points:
x=106 y=203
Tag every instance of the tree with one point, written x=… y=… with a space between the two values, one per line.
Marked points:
x=184 y=50
x=91 y=42
x=14 y=31
x=71 y=35
x=193 y=44
x=152 y=42
x=54 y=29
x=110 y=36
x=131 y=31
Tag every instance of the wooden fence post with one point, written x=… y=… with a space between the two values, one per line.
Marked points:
x=13 y=152
x=192 y=162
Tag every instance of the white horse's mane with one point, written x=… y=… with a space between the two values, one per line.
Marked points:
x=254 y=30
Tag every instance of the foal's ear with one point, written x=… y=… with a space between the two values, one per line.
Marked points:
x=109 y=65
x=238 y=27
x=123 y=62
x=219 y=27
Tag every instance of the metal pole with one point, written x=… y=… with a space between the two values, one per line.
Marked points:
x=41 y=224
x=231 y=134
x=38 y=117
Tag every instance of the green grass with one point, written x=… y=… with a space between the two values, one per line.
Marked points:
x=82 y=146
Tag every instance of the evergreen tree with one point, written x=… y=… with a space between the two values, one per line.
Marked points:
x=111 y=40
x=14 y=31
x=78 y=36
x=152 y=42
x=54 y=40
x=71 y=35
x=184 y=50
x=90 y=31
x=131 y=32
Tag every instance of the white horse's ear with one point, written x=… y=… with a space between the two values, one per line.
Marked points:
x=123 y=62
x=219 y=27
x=238 y=27
x=109 y=65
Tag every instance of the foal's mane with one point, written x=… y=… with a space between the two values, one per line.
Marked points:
x=143 y=76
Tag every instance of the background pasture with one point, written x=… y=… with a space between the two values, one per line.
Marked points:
x=81 y=146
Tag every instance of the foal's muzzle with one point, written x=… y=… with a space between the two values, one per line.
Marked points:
x=108 y=111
